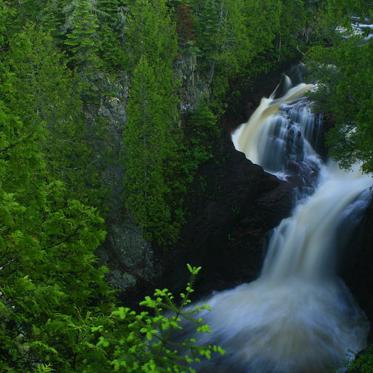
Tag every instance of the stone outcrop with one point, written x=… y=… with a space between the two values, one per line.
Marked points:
x=233 y=206
x=358 y=265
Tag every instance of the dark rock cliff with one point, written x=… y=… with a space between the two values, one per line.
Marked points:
x=233 y=204
x=358 y=265
x=232 y=207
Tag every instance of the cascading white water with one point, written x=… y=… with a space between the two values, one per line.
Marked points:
x=280 y=130
x=298 y=317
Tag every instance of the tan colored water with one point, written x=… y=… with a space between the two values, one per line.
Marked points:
x=298 y=317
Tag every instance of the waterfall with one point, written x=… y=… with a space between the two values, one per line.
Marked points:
x=298 y=316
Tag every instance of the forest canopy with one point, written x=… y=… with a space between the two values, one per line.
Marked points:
x=107 y=110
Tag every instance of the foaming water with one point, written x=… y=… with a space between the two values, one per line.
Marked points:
x=288 y=326
x=298 y=317
x=271 y=135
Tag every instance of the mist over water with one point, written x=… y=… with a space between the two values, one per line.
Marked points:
x=298 y=316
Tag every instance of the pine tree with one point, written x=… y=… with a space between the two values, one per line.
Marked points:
x=39 y=88
x=3 y=18
x=83 y=43
x=151 y=131
x=145 y=150
x=342 y=70
x=112 y=49
x=150 y=33
x=81 y=39
x=48 y=271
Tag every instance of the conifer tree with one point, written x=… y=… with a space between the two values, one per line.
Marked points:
x=3 y=17
x=81 y=40
x=48 y=271
x=342 y=70
x=150 y=32
x=151 y=131
x=94 y=83
x=39 y=88
x=111 y=30
x=145 y=150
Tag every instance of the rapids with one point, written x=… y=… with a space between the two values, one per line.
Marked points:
x=298 y=316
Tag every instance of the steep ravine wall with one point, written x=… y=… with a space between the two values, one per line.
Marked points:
x=232 y=207
x=358 y=265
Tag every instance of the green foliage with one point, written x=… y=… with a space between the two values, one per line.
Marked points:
x=111 y=19
x=231 y=34
x=81 y=38
x=150 y=33
x=48 y=267
x=341 y=10
x=145 y=151
x=151 y=131
x=363 y=363
x=38 y=87
x=43 y=368
x=67 y=68
x=85 y=38
x=149 y=340
x=324 y=16
x=344 y=72
x=292 y=28
x=221 y=40
x=114 y=339
x=200 y=128
x=3 y=17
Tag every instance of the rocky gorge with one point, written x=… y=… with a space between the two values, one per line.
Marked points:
x=233 y=205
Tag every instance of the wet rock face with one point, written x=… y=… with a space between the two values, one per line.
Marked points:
x=131 y=259
x=233 y=205
x=357 y=268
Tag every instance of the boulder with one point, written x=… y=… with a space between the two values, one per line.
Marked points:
x=134 y=267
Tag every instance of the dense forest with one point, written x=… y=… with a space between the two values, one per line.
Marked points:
x=108 y=108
